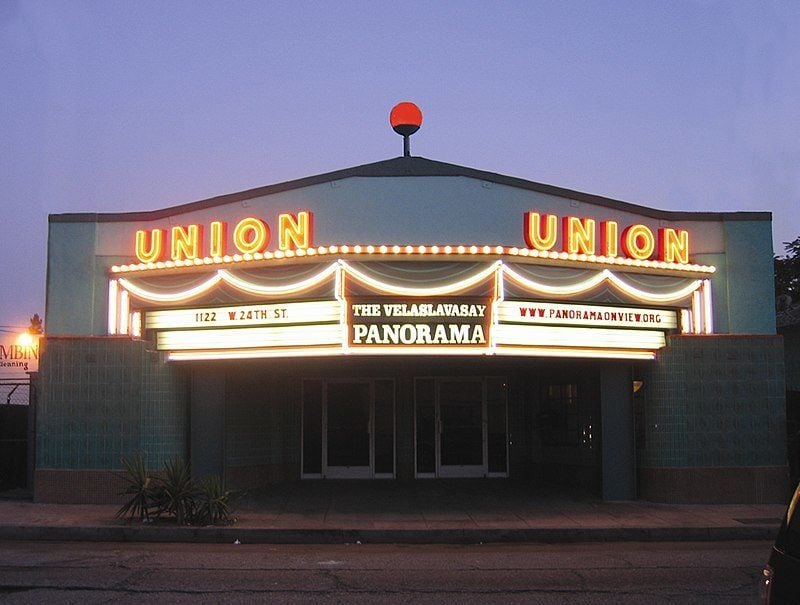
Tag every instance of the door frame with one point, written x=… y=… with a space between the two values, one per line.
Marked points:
x=344 y=472
x=349 y=472
x=454 y=471
x=461 y=471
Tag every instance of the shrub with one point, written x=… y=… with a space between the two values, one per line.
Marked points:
x=174 y=494
x=213 y=503
x=140 y=487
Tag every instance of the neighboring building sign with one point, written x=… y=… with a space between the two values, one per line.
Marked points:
x=17 y=358
x=394 y=322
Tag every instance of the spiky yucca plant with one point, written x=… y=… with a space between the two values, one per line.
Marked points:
x=176 y=491
x=214 y=502
x=140 y=487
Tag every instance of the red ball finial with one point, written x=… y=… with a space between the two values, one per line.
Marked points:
x=405 y=118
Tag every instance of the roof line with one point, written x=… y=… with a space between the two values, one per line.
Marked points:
x=413 y=166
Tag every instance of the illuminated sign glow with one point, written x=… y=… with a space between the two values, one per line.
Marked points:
x=294 y=324
x=572 y=352
x=418 y=325
x=399 y=319
x=585 y=236
x=573 y=337
x=583 y=240
x=228 y=277
x=244 y=315
x=605 y=276
x=125 y=318
x=384 y=250
x=256 y=353
x=499 y=269
x=251 y=235
x=451 y=288
x=18 y=355
x=392 y=326
x=241 y=338
x=549 y=313
x=433 y=322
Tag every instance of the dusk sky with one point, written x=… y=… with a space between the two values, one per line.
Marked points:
x=125 y=105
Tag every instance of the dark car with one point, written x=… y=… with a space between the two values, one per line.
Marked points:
x=782 y=573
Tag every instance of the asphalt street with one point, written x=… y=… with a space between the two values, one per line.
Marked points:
x=624 y=572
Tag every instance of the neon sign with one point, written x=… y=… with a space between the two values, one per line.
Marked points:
x=585 y=236
x=250 y=235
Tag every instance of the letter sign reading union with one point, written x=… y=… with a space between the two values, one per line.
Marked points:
x=249 y=235
x=585 y=236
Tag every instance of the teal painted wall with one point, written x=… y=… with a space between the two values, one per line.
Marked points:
x=617 y=426
x=72 y=279
x=749 y=273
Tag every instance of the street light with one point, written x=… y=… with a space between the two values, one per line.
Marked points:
x=25 y=339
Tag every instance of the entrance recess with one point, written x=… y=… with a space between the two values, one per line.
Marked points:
x=461 y=427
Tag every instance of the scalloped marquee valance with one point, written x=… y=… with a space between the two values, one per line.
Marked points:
x=343 y=306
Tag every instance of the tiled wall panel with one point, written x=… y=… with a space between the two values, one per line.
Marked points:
x=103 y=399
x=716 y=401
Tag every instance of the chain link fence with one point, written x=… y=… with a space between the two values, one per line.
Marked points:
x=15 y=420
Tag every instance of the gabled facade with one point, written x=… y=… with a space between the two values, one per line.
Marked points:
x=412 y=319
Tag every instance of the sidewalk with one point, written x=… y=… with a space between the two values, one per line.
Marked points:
x=455 y=512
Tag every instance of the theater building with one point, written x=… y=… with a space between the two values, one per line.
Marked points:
x=412 y=320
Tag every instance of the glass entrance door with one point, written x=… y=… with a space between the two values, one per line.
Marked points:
x=460 y=427
x=461 y=412
x=348 y=431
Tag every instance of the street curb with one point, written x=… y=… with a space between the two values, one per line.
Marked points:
x=232 y=534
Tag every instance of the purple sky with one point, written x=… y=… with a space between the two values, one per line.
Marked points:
x=119 y=106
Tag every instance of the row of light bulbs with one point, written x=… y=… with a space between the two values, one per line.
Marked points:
x=414 y=250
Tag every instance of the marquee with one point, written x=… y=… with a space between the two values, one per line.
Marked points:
x=349 y=307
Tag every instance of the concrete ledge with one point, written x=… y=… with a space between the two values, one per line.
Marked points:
x=715 y=485
x=230 y=534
